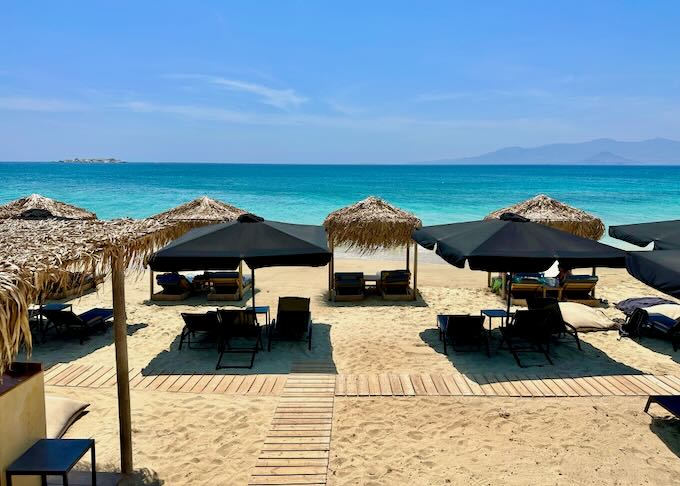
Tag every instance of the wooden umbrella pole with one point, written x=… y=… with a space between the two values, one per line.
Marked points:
x=151 y=282
x=415 y=271
x=408 y=256
x=122 y=372
x=331 y=271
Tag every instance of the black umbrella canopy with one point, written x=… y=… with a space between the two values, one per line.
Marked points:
x=658 y=269
x=514 y=244
x=251 y=239
x=664 y=234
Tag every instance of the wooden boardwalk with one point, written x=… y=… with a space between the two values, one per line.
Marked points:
x=376 y=384
x=297 y=447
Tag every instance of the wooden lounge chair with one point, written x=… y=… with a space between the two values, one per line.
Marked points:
x=293 y=322
x=530 y=329
x=559 y=328
x=241 y=325
x=349 y=286
x=395 y=285
x=579 y=289
x=526 y=286
x=670 y=403
x=198 y=323
x=463 y=329
x=83 y=325
x=229 y=286
x=175 y=287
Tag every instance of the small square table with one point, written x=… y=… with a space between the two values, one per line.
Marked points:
x=52 y=457
x=261 y=309
x=499 y=313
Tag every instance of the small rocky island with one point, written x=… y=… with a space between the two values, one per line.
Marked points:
x=91 y=161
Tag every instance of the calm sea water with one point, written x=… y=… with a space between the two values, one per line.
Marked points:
x=307 y=193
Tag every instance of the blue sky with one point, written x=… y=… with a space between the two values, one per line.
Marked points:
x=320 y=81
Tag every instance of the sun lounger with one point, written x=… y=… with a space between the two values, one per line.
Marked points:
x=205 y=324
x=229 y=286
x=580 y=289
x=529 y=328
x=238 y=325
x=462 y=329
x=83 y=324
x=526 y=286
x=559 y=328
x=670 y=403
x=349 y=286
x=175 y=287
x=395 y=285
x=77 y=284
x=293 y=321
x=644 y=323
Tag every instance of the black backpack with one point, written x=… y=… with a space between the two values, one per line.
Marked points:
x=634 y=323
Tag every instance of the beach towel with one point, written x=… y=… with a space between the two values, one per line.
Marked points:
x=628 y=306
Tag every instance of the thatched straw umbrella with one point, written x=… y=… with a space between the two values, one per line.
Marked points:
x=370 y=225
x=199 y=212
x=35 y=255
x=202 y=210
x=36 y=206
x=550 y=212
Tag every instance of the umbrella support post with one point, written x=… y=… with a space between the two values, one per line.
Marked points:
x=122 y=371
x=151 y=284
x=415 y=271
x=331 y=272
x=408 y=256
x=509 y=290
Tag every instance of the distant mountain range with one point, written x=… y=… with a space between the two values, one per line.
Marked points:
x=602 y=151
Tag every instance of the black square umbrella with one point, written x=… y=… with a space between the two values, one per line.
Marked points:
x=514 y=244
x=664 y=234
x=250 y=239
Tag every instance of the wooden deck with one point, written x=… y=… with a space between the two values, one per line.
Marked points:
x=375 y=385
x=297 y=446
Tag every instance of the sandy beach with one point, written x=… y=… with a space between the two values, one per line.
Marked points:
x=194 y=438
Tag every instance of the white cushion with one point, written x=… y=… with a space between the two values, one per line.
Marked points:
x=60 y=413
x=670 y=310
x=585 y=318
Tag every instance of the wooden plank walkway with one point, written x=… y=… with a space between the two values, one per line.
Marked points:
x=103 y=376
x=297 y=447
x=520 y=384
x=503 y=385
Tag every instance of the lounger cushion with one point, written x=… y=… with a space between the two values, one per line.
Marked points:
x=61 y=413
x=669 y=310
x=585 y=318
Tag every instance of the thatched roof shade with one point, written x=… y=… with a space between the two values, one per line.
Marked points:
x=550 y=212
x=36 y=206
x=203 y=209
x=37 y=254
x=371 y=224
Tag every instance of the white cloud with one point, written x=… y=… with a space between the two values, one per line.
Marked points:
x=24 y=103
x=279 y=98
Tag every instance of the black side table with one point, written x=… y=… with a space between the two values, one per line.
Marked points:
x=52 y=457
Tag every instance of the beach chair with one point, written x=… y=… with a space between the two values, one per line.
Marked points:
x=175 y=287
x=238 y=325
x=349 y=286
x=293 y=322
x=643 y=323
x=395 y=285
x=83 y=324
x=579 y=289
x=228 y=286
x=526 y=286
x=206 y=324
x=670 y=402
x=462 y=329
x=559 y=328
x=529 y=328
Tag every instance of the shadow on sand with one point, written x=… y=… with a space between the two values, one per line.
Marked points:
x=567 y=359
x=277 y=361
x=65 y=347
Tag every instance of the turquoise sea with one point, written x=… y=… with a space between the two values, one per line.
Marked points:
x=307 y=193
